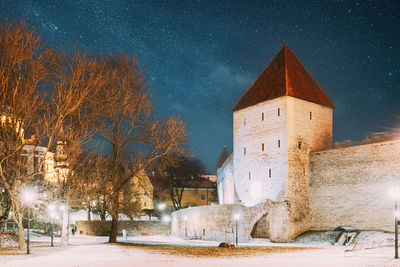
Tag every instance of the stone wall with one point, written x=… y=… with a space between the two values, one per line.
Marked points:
x=350 y=186
x=211 y=222
x=133 y=228
x=309 y=129
x=226 y=194
x=259 y=173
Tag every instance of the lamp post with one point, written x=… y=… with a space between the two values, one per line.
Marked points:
x=185 y=219
x=52 y=213
x=395 y=193
x=236 y=217
x=161 y=207
x=29 y=196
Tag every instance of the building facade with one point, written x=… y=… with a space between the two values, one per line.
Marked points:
x=282 y=153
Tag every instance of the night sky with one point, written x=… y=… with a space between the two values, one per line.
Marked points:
x=201 y=56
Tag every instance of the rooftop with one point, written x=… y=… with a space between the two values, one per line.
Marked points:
x=284 y=75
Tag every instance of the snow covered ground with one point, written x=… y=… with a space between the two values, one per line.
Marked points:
x=95 y=251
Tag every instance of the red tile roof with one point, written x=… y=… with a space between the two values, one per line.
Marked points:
x=284 y=75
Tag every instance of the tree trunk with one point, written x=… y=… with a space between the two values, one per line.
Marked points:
x=88 y=213
x=114 y=221
x=21 y=234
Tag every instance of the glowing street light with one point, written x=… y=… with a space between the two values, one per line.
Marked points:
x=28 y=196
x=236 y=216
x=161 y=206
x=394 y=192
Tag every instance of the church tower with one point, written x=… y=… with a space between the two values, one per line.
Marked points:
x=281 y=118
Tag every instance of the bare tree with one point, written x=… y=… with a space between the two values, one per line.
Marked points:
x=124 y=119
x=73 y=77
x=22 y=74
x=94 y=177
x=182 y=176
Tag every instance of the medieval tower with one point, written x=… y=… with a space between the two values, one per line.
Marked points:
x=281 y=118
x=283 y=177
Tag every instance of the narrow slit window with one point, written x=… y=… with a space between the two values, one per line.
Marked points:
x=262 y=147
x=269 y=173
x=310 y=115
x=279 y=143
x=249 y=176
x=244 y=121
x=262 y=116
x=279 y=111
x=299 y=144
x=244 y=151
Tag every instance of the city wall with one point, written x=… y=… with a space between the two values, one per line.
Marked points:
x=133 y=228
x=211 y=222
x=350 y=186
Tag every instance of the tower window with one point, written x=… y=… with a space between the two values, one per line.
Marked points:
x=244 y=121
x=244 y=151
x=262 y=116
x=310 y=115
x=269 y=173
x=299 y=144
x=262 y=147
x=279 y=143
x=279 y=111
x=249 y=176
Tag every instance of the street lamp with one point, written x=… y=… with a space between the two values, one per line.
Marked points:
x=185 y=219
x=161 y=206
x=236 y=216
x=395 y=193
x=53 y=215
x=29 y=196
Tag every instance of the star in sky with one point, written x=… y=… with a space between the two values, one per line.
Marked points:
x=201 y=56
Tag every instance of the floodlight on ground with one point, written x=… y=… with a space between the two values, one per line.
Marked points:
x=161 y=206
x=236 y=216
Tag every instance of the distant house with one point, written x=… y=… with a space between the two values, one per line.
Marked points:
x=138 y=193
x=196 y=192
